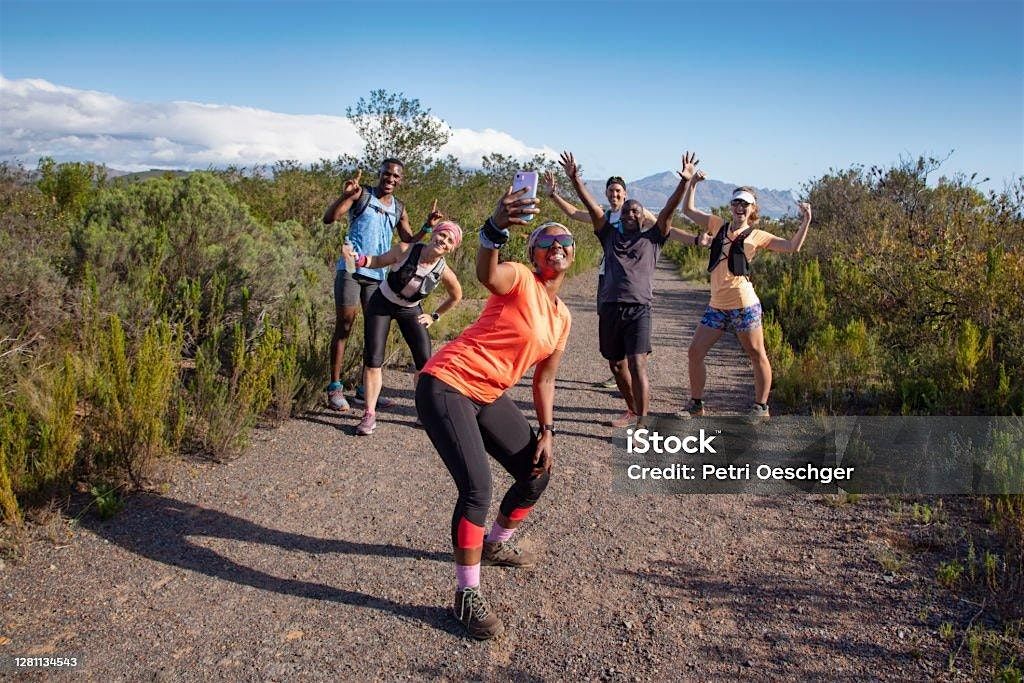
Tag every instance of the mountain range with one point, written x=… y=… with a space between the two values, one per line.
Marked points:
x=654 y=190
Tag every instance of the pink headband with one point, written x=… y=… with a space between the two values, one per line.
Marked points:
x=454 y=229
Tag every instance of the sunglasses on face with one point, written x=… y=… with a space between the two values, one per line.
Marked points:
x=545 y=241
x=740 y=202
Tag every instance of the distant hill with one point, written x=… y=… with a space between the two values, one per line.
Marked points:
x=135 y=176
x=654 y=190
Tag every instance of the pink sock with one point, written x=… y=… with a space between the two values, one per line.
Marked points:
x=467 y=575
x=499 y=534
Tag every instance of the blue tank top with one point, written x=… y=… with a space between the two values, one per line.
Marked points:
x=371 y=234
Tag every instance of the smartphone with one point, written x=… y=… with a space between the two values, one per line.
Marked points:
x=527 y=179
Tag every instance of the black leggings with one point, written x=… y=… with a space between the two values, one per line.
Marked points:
x=464 y=432
x=376 y=323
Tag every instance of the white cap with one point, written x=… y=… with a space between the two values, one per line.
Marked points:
x=745 y=196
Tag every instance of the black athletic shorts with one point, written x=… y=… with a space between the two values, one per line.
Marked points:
x=624 y=330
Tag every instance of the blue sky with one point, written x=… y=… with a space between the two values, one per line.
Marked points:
x=768 y=93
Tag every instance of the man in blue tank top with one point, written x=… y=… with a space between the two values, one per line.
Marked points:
x=374 y=214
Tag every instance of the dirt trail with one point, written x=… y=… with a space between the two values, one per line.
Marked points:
x=320 y=555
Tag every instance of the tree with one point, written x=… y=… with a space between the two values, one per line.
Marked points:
x=392 y=125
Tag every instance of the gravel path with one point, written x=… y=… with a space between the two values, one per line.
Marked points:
x=320 y=555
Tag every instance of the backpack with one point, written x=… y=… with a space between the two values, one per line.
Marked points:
x=739 y=264
x=360 y=205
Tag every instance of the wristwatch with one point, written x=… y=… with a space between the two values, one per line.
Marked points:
x=435 y=315
x=547 y=428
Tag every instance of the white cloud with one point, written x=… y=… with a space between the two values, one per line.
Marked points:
x=38 y=118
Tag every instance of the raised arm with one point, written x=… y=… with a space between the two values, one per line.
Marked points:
x=433 y=218
x=794 y=243
x=544 y=403
x=498 y=278
x=568 y=209
x=350 y=192
x=572 y=170
x=709 y=222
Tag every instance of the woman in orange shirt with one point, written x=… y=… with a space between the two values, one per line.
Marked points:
x=734 y=304
x=461 y=400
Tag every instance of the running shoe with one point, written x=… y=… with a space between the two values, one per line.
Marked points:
x=507 y=554
x=473 y=612
x=625 y=420
x=367 y=424
x=336 y=397
x=609 y=383
x=758 y=413
x=693 y=410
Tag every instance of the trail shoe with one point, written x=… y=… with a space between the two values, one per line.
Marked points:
x=507 y=554
x=695 y=409
x=627 y=419
x=473 y=612
x=367 y=424
x=758 y=413
x=336 y=397
x=609 y=383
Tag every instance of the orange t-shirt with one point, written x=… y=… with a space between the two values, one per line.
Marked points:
x=514 y=332
x=730 y=291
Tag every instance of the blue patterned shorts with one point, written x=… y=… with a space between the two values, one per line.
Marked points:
x=736 y=319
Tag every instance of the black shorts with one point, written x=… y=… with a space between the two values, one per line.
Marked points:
x=624 y=330
x=353 y=290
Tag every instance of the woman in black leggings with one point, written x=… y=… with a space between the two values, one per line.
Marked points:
x=461 y=400
x=416 y=269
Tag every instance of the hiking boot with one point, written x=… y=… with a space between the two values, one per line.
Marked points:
x=507 y=554
x=367 y=424
x=758 y=413
x=473 y=612
x=693 y=410
x=336 y=397
x=609 y=383
x=624 y=420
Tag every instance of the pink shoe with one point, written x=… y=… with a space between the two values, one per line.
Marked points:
x=624 y=420
x=367 y=424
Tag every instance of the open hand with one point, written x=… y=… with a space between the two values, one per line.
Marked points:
x=549 y=184
x=690 y=162
x=425 y=319
x=513 y=207
x=569 y=165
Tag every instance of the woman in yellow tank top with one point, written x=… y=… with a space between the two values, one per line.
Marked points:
x=734 y=304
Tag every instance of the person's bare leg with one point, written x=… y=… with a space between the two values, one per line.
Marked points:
x=345 y=316
x=753 y=343
x=620 y=370
x=641 y=386
x=373 y=380
x=703 y=339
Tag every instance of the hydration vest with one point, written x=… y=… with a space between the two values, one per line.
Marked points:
x=398 y=279
x=738 y=262
x=360 y=205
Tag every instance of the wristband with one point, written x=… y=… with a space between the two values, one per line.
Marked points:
x=427 y=228
x=491 y=236
x=362 y=260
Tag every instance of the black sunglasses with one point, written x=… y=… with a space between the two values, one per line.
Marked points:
x=545 y=241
